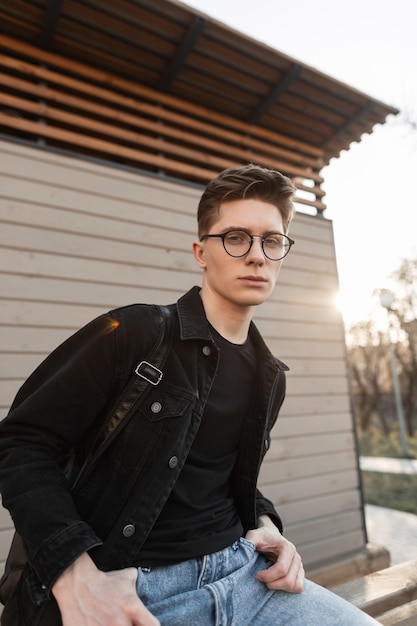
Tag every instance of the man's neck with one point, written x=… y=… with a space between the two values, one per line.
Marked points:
x=231 y=321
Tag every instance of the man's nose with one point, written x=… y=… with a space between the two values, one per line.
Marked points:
x=256 y=253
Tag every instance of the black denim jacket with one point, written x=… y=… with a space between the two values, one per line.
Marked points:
x=60 y=409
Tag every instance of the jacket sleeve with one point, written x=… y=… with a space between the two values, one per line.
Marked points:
x=265 y=507
x=52 y=411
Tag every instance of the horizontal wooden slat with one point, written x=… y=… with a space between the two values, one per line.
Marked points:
x=309 y=424
x=85 y=293
x=327 y=549
x=90 y=187
x=8 y=390
x=297 y=446
x=305 y=487
x=35 y=314
x=104 y=272
x=316 y=314
x=317 y=384
x=76 y=248
x=319 y=507
x=332 y=526
x=282 y=470
x=318 y=405
x=294 y=349
x=325 y=367
x=301 y=330
x=19 y=366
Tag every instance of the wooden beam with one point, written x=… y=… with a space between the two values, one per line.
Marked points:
x=51 y=20
x=281 y=88
x=178 y=59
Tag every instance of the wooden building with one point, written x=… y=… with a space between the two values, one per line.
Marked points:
x=113 y=116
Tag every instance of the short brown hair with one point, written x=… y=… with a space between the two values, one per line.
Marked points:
x=243 y=182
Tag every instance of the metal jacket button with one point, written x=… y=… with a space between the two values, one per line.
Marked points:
x=206 y=350
x=156 y=407
x=173 y=462
x=128 y=530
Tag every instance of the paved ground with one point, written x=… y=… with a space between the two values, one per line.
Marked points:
x=395 y=530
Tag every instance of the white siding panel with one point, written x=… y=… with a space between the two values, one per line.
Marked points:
x=308 y=367
x=317 y=385
x=117 y=229
x=311 y=424
x=319 y=530
x=316 y=404
x=31 y=313
x=310 y=486
x=19 y=366
x=78 y=238
x=322 y=507
x=318 y=464
x=315 y=313
x=301 y=446
x=82 y=293
x=103 y=271
x=289 y=348
x=6 y=535
x=321 y=551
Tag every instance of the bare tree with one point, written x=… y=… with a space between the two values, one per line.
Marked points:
x=369 y=373
x=405 y=311
x=368 y=357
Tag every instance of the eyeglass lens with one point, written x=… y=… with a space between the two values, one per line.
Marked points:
x=238 y=243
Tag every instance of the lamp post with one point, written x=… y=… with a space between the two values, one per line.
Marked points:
x=386 y=299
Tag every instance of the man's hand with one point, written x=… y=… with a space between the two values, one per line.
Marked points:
x=287 y=571
x=86 y=596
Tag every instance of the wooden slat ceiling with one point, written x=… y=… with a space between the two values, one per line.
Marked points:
x=220 y=75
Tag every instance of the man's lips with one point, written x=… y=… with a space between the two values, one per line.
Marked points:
x=254 y=279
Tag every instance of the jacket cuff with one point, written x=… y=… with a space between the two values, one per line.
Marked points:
x=265 y=507
x=57 y=554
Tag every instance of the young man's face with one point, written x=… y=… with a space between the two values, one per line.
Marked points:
x=248 y=280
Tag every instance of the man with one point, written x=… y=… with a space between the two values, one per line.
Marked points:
x=169 y=528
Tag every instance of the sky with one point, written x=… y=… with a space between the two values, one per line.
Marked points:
x=370 y=45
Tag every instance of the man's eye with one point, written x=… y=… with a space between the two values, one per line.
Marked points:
x=273 y=242
x=236 y=238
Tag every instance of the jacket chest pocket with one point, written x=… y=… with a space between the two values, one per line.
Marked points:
x=165 y=403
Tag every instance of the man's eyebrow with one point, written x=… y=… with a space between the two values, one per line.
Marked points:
x=247 y=230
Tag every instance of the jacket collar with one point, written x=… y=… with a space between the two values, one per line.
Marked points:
x=194 y=325
x=192 y=317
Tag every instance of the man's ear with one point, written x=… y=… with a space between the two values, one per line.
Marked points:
x=198 y=251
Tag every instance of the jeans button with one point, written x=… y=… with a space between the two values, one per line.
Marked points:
x=173 y=462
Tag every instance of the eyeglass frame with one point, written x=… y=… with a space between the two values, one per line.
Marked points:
x=262 y=237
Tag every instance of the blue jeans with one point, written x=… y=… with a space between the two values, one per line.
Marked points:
x=220 y=590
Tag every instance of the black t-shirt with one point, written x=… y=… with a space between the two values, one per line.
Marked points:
x=200 y=516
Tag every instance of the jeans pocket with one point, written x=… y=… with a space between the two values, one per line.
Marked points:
x=248 y=543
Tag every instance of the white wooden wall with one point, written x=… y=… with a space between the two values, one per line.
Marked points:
x=78 y=238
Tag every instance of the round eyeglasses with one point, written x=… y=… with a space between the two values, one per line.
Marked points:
x=237 y=243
